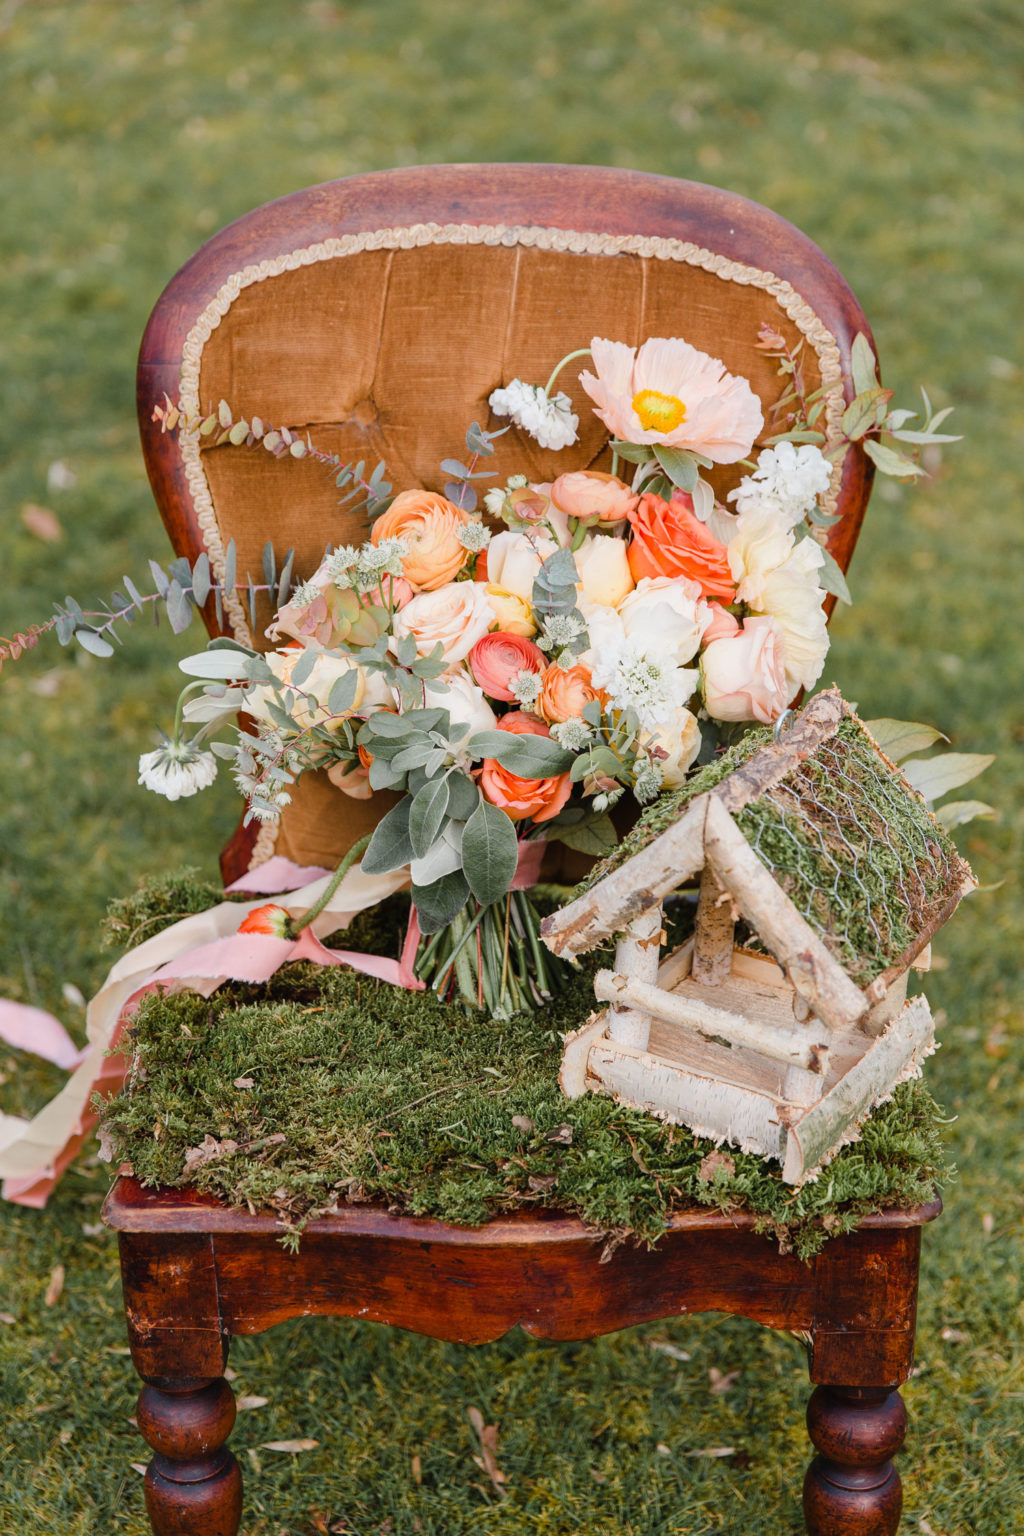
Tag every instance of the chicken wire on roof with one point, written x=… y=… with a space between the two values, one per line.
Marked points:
x=856 y=851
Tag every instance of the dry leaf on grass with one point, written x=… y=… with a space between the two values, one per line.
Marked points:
x=41 y=522
x=139 y=1467
x=244 y=1082
x=720 y=1382
x=243 y=1403
x=291 y=1447
x=713 y=1450
x=9 y=1318
x=487 y=1461
x=56 y=1285
x=663 y=1347
x=926 y=1528
x=417 y=1470
x=955 y=1336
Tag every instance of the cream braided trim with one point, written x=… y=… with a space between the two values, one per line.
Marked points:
x=574 y=242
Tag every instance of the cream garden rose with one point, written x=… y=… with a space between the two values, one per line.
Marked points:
x=464 y=700
x=454 y=617
x=668 y=613
x=744 y=677
x=679 y=739
x=603 y=569
x=310 y=701
x=513 y=560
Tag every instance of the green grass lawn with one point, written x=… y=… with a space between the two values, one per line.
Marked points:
x=132 y=130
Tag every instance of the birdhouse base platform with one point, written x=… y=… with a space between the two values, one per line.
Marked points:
x=783 y=1086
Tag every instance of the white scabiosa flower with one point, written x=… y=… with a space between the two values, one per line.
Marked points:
x=549 y=419
x=787 y=481
x=177 y=770
x=649 y=684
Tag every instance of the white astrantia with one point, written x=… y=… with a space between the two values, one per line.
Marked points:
x=303 y=595
x=549 y=419
x=572 y=734
x=635 y=678
x=473 y=536
x=787 y=481
x=177 y=770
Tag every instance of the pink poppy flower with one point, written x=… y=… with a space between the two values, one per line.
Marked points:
x=668 y=392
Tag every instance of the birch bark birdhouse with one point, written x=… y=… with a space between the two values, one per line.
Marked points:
x=784 y=1019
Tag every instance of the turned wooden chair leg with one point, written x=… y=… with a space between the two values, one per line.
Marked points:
x=193 y=1484
x=852 y=1487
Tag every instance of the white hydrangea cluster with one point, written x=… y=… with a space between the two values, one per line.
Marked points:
x=788 y=481
x=548 y=419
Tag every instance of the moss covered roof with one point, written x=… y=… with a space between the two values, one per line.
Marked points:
x=853 y=846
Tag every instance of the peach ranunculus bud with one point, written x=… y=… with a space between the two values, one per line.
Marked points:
x=455 y=617
x=745 y=678
x=270 y=920
x=529 y=503
x=591 y=496
x=430 y=526
x=495 y=660
x=565 y=691
x=668 y=539
x=603 y=566
x=521 y=798
x=668 y=392
x=723 y=624
x=512 y=613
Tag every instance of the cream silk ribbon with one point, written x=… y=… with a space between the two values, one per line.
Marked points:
x=34 y=1153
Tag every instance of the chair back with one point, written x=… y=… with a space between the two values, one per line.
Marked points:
x=378 y=313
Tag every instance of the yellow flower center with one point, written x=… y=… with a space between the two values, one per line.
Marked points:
x=658 y=412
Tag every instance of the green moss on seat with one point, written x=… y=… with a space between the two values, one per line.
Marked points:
x=388 y=1095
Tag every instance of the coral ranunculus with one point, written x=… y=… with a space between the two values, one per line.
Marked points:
x=495 y=660
x=521 y=798
x=668 y=539
x=430 y=526
x=670 y=393
x=564 y=692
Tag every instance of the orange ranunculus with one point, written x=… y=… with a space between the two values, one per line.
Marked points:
x=520 y=798
x=495 y=660
x=668 y=539
x=430 y=526
x=564 y=692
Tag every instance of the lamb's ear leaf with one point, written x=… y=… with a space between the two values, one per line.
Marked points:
x=436 y=905
x=391 y=844
x=490 y=852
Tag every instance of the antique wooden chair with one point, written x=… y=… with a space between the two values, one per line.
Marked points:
x=379 y=313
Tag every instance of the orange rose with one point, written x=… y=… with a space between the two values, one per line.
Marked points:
x=669 y=540
x=520 y=798
x=430 y=526
x=564 y=693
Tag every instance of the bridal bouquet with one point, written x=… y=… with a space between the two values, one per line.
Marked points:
x=514 y=678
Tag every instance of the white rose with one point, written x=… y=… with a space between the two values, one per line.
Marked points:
x=603 y=568
x=666 y=614
x=792 y=597
x=455 y=616
x=681 y=740
x=468 y=709
x=309 y=706
x=513 y=560
x=761 y=544
x=604 y=628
